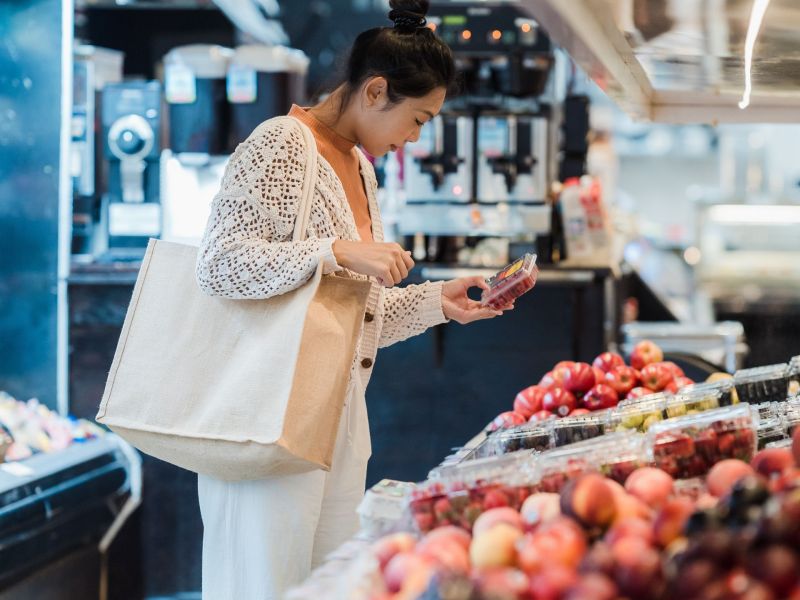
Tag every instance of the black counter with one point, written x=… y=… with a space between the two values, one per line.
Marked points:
x=427 y=394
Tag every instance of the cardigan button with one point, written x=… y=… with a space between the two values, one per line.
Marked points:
x=368 y=317
x=366 y=363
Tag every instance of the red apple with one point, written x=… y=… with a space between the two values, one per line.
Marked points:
x=678 y=383
x=529 y=400
x=579 y=378
x=507 y=419
x=563 y=364
x=579 y=411
x=599 y=375
x=645 y=353
x=559 y=401
x=600 y=397
x=540 y=416
x=638 y=392
x=622 y=379
x=676 y=370
x=607 y=361
x=656 y=376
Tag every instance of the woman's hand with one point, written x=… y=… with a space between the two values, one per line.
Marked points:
x=387 y=262
x=458 y=307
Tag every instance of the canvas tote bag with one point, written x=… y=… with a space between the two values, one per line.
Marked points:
x=234 y=389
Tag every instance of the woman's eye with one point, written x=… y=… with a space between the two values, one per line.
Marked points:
x=419 y=123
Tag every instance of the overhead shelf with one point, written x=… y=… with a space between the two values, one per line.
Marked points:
x=682 y=61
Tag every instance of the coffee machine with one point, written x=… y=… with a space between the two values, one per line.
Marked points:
x=216 y=97
x=481 y=172
x=438 y=166
x=93 y=69
x=131 y=208
x=513 y=150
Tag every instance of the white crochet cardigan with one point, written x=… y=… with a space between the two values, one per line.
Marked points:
x=247 y=250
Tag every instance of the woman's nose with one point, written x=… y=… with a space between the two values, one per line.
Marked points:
x=413 y=137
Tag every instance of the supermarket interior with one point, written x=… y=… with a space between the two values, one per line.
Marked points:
x=623 y=171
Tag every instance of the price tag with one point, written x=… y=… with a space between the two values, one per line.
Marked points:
x=242 y=85
x=180 y=86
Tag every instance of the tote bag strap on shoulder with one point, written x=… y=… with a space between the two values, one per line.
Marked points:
x=309 y=182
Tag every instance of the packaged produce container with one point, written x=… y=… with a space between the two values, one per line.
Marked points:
x=762 y=384
x=532 y=436
x=570 y=430
x=460 y=493
x=791 y=415
x=615 y=455
x=640 y=414
x=693 y=400
x=769 y=430
x=725 y=387
x=382 y=510
x=510 y=283
x=689 y=446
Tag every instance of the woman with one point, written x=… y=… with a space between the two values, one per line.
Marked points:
x=261 y=537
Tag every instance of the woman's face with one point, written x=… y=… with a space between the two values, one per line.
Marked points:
x=382 y=128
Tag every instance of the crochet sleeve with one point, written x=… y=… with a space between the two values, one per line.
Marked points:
x=409 y=311
x=246 y=251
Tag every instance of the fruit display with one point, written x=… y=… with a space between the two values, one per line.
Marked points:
x=510 y=283
x=721 y=388
x=578 y=428
x=791 y=415
x=640 y=413
x=770 y=429
x=762 y=384
x=457 y=495
x=29 y=428
x=689 y=446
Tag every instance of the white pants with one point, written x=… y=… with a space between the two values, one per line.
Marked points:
x=262 y=537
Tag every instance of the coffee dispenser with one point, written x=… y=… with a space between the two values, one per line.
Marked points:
x=263 y=82
x=131 y=131
x=438 y=166
x=195 y=90
x=512 y=157
x=93 y=69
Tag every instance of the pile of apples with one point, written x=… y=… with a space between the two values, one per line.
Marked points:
x=738 y=539
x=575 y=388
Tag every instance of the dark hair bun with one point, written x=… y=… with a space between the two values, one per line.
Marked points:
x=408 y=15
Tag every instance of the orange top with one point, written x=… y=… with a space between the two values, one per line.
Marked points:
x=342 y=155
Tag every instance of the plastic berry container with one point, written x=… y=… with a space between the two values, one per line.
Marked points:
x=460 y=493
x=724 y=387
x=770 y=430
x=570 y=430
x=762 y=384
x=640 y=414
x=691 y=401
x=791 y=415
x=510 y=283
x=533 y=436
x=615 y=455
x=689 y=446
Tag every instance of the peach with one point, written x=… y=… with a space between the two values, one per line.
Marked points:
x=447 y=554
x=629 y=506
x=637 y=567
x=652 y=486
x=560 y=542
x=593 y=586
x=631 y=526
x=796 y=445
x=386 y=547
x=495 y=547
x=725 y=474
x=493 y=516
x=705 y=501
x=451 y=532
x=589 y=500
x=552 y=583
x=401 y=567
x=671 y=520
x=540 y=508
x=772 y=461
x=503 y=582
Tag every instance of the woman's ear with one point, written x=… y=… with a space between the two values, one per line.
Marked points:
x=375 y=93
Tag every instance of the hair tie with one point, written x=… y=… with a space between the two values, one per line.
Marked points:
x=406 y=20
